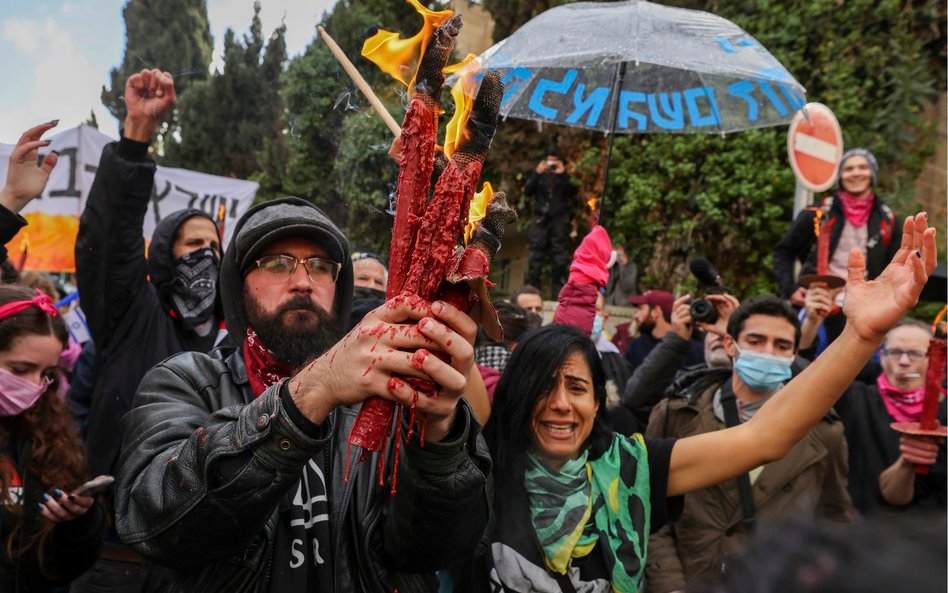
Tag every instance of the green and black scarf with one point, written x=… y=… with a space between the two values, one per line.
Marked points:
x=585 y=502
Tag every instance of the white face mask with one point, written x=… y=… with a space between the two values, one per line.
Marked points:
x=17 y=394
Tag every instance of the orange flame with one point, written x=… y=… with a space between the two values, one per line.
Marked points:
x=591 y=202
x=398 y=57
x=478 y=210
x=463 y=95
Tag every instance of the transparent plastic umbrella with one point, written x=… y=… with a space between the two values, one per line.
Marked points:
x=639 y=67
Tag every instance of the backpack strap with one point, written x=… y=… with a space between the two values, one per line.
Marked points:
x=729 y=402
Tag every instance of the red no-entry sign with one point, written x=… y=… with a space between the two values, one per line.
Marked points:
x=815 y=146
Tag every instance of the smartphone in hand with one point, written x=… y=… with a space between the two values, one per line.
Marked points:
x=95 y=486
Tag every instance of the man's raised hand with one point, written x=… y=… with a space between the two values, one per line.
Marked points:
x=26 y=174
x=149 y=95
x=725 y=304
x=873 y=307
x=681 y=321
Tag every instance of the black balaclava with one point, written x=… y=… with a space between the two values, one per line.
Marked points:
x=187 y=286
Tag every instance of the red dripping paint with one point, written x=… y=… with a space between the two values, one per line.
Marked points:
x=345 y=479
x=398 y=448
x=418 y=358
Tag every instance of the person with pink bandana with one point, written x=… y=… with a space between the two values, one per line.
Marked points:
x=882 y=462
x=854 y=217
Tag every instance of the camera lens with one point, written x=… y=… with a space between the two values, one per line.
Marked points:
x=702 y=310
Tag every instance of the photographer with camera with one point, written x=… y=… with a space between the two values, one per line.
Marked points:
x=653 y=321
x=553 y=194
x=667 y=360
x=762 y=338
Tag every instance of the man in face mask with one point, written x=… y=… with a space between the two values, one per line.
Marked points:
x=762 y=338
x=369 y=281
x=139 y=311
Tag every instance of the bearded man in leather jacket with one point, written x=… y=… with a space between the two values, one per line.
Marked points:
x=236 y=472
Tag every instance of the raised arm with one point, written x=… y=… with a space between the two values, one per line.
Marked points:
x=110 y=247
x=648 y=382
x=871 y=308
x=27 y=175
x=818 y=302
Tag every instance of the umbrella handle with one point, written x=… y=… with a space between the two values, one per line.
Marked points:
x=617 y=84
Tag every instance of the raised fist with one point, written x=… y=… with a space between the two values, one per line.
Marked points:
x=149 y=95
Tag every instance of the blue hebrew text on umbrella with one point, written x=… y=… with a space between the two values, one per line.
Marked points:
x=639 y=67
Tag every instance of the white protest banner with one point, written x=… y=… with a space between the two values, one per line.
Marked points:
x=50 y=238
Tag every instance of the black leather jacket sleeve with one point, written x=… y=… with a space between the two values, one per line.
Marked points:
x=441 y=511
x=10 y=225
x=110 y=248
x=180 y=499
x=197 y=485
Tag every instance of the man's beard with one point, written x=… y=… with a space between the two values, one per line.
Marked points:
x=646 y=327
x=291 y=336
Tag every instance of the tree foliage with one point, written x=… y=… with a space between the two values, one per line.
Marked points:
x=230 y=123
x=337 y=143
x=171 y=35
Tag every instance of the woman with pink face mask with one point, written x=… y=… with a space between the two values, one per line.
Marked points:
x=48 y=533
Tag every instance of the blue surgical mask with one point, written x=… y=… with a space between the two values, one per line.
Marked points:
x=597 y=328
x=762 y=372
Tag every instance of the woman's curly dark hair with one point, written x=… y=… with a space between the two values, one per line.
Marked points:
x=56 y=453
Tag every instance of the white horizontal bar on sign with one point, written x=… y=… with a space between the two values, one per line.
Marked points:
x=814 y=147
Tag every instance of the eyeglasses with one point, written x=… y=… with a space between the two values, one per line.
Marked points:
x=915 y=355
x=317 y=268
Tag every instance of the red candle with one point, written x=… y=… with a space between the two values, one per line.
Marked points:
x=937 y=350
x=822 y=246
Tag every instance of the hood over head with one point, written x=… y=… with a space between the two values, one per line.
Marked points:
x=262 y=225
x=160 y=259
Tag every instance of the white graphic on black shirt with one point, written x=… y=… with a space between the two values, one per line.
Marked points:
x=309 y=508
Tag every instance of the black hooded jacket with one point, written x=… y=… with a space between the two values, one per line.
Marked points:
x=799 y=242
x=208 y=471
x=127 y=315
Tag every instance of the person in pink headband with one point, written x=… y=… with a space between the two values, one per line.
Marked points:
x=51 y=533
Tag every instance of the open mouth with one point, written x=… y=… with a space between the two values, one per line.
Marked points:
x=559 y=430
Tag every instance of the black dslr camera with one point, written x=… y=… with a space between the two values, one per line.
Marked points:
x=709 y=281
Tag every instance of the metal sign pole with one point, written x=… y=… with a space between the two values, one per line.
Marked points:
x=802 y=197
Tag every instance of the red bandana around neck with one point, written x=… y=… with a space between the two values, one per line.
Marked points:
x=856 y=210
x=905 y=405
x=263 y=369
